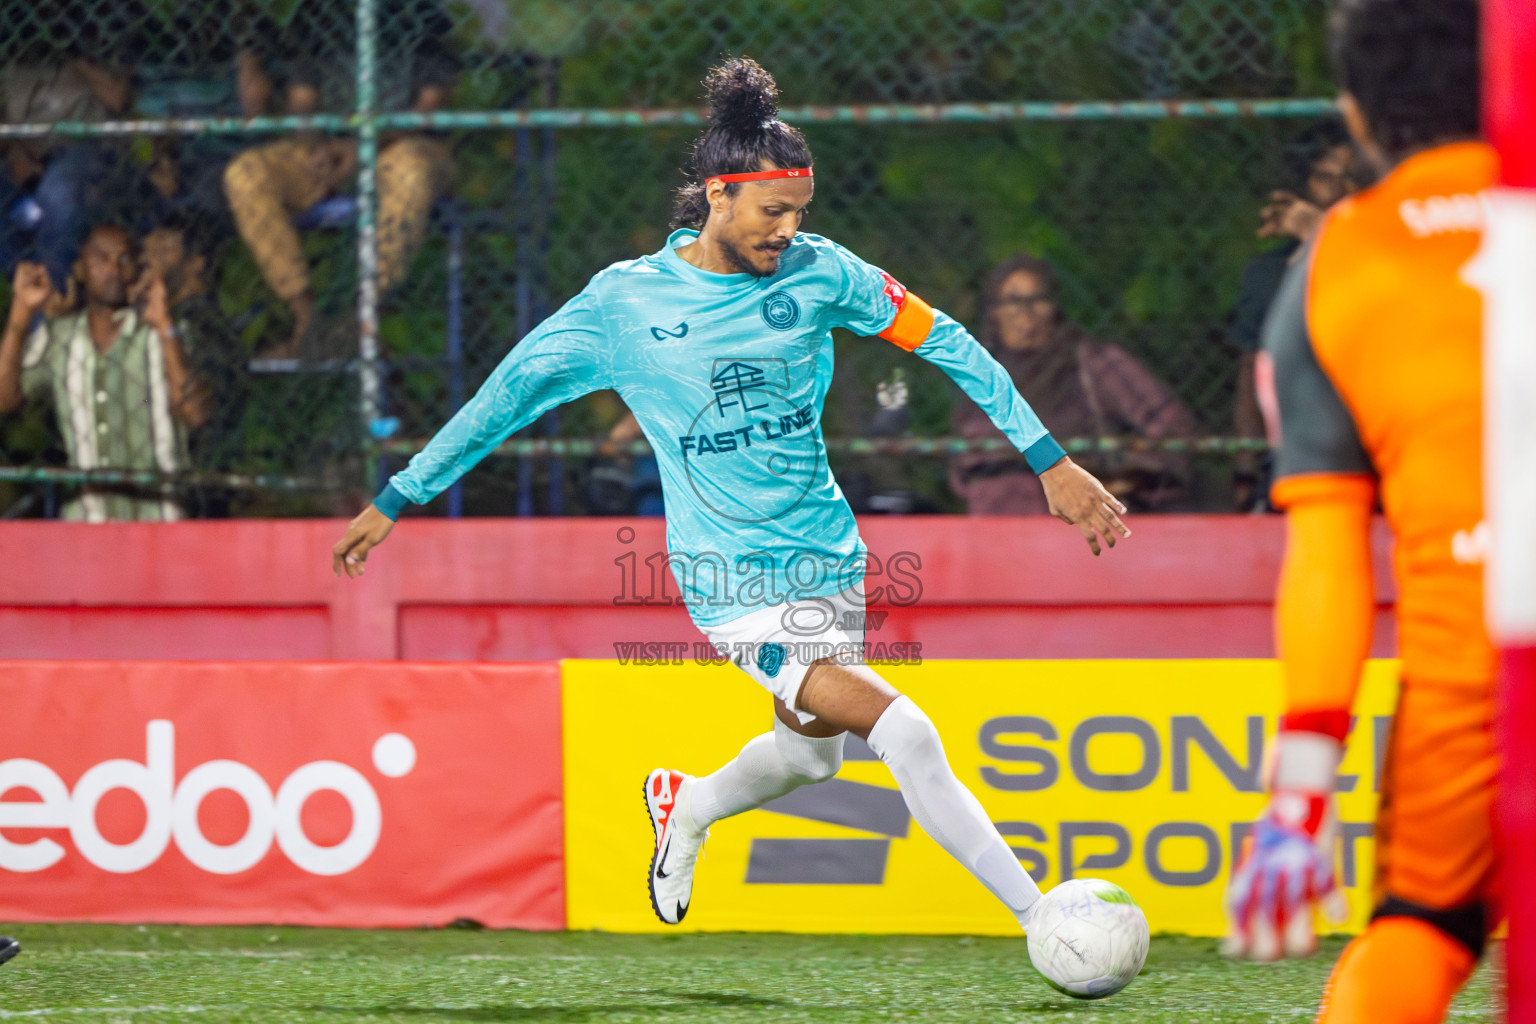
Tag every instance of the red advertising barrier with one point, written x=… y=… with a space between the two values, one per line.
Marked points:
x=360 y=795
x=541 y=589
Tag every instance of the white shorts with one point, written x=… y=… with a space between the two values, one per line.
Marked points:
x=776 y=645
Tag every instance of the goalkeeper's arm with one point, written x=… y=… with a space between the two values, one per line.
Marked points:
x=1326 y=602
x=1323 y=630
x=1327 y=486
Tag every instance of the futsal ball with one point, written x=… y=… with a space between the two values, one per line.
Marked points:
x=1088 y=938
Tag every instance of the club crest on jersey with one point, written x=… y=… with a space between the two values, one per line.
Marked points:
x=770 y=658
x=781 y=311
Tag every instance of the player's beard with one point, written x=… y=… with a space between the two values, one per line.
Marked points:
x=739 y=260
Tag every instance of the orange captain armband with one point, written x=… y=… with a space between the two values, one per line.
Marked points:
x=914 y=317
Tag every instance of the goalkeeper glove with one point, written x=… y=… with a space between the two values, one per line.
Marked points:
x=1287 y=864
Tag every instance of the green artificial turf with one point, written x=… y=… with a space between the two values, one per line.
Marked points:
x=138 y=974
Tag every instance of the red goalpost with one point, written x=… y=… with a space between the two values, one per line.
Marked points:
x=1506 y=271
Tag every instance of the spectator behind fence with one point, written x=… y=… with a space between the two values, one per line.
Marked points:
x=187 y=172
x=1080 y=387
x=1322 y=163
x=619 y=483
x=115 y=371
x=57 y=186
x=180 y=249
x=269 y=185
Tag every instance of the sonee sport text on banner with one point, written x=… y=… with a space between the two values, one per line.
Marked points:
x=1143 y=772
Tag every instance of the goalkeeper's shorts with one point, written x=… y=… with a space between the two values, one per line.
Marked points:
x=1435 y=856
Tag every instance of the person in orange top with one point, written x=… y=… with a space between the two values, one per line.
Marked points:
x=1373 y=372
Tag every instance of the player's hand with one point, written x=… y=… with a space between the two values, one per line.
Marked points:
x=1286 y=869
x=364 y=533
x=1075 y=496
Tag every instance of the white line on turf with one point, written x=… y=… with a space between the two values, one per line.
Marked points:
x=529 y=956
x=148 y=953
x=117 y=1010
x=258 y=954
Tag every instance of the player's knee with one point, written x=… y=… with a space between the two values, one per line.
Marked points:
x=816 y=759
x=904 y=731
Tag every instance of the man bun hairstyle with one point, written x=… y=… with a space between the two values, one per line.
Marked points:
x=1413 y=67
x=744 y=132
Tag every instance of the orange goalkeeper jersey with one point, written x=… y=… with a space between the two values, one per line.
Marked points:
x=1376 y=342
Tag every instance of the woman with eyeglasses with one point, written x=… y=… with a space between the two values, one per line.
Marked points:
x=1091 y=389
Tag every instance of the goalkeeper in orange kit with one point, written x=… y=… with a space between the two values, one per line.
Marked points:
x=1373 y=374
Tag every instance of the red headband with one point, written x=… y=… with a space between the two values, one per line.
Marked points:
x=786 y=172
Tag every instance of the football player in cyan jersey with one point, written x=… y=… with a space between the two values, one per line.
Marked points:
x=721 y=346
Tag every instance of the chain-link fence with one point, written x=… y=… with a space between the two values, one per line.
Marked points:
x=261 y=249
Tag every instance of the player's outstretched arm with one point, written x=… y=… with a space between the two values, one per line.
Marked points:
x=563 y=358
x=1072 y=493
x=364 y=533
x=1075 y=496
x=872 y=302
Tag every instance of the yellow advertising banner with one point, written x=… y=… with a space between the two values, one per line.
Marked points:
x=1142 y=772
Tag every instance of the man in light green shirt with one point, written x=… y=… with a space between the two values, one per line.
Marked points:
x=115 y=371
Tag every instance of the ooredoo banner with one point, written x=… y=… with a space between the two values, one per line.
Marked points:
x=1146 y=773
x=376 y=795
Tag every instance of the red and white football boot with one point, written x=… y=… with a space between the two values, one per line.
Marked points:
x=678 y=842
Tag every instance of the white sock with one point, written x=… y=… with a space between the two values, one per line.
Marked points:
x=769 y=766
x=909 y=745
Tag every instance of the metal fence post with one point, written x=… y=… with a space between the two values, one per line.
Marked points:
x=455 y=340
x=367 y=231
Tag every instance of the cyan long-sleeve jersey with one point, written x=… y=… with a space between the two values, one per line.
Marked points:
x=726 y=374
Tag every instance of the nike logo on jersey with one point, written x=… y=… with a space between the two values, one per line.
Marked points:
x=680 y=331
